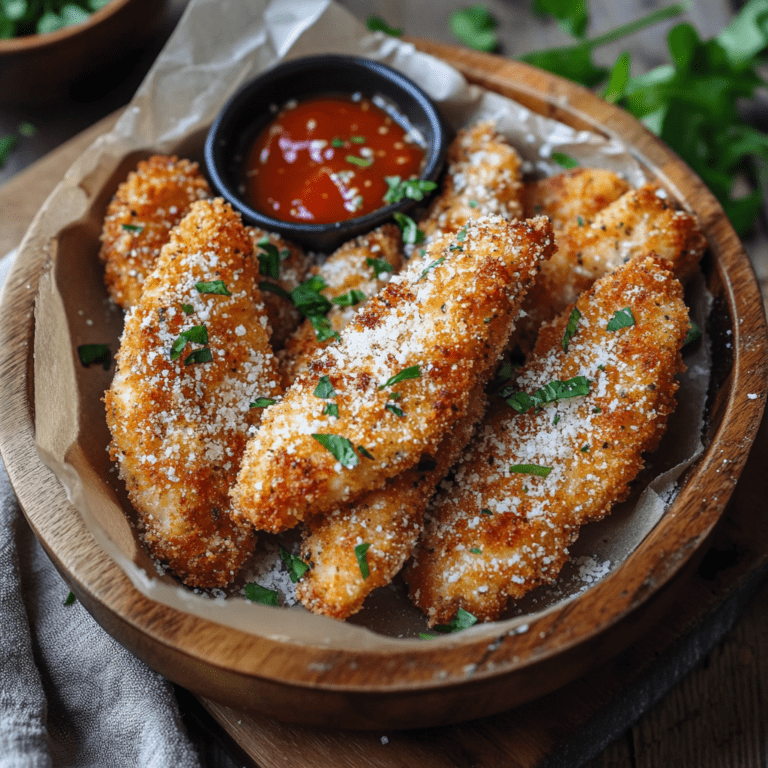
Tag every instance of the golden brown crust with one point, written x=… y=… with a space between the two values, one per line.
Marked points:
x=483 y=179
x=346 y=269
x=146 y=206
x=494 y=534
x=179 y=427
x=450 y=315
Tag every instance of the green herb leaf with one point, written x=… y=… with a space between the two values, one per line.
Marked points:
x=412 y=235
x=475 y=27
x=462 y=620
x=430 y=267
x=295 y=565
x=618 y=79
x=188 y=309
x=324 y=388
x=323 y=328
x=258 y=594
x=566 y=161
x=197 y=334
x=265 y=285
x=361 y=554
x=412 y=372
x=379 y=266
x=622 y=318
x=70 y=598
x=363 y=451
x=571 y=15
x=394 y=409
x=349 y=299
x=584 y=448
x=263 y=402
x=530 y=469
x=135 y=228
x=486 y=512
x=376 y=24
x=269 y=260
x=694 y=334
x=340 y=447
x=7 y=143
x=95 y=353
x=213 y=286
x=555 y=390
x=476 y=551
x=570 y=328
x=308 y=299
x=360 y=162
x=331 y=409
x=357 y=139
x=203 y=355
x=337 y=142
x=416 y=189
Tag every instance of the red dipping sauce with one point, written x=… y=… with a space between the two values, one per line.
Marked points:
x=325 y=159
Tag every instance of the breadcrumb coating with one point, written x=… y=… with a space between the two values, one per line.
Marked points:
x=448 y=320
x=483 y=178
x=355 y=266
x=495 y=533
x=146 y=206
x=179 y=426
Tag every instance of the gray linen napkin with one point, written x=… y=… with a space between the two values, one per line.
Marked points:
x=70 y=695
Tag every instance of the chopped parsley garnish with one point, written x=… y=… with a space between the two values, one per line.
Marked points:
x=95 y=353
x=376 y=24
x=412 y=372
x=331 y=409
x=584 y=448
x=308 y=299
x=336 y=142
x=361 y=554
x=323 y=329
x=188 y=309
x=597 y=409
x=296 y=566
x=580 y=221
x=694 y=334
x=357 y=139
x=530 y=469
x=349 y=299
x=486 y=512
x=430 y=267
x=456 y=248
x=203 y=355
x=502 y=377
x=213 y=286
x=556 y=419
x=462 y=620
x=360 y=162
x=622 y=318
x=570 y=329
x=412 y=235
x=394 y=395
x=415 y=189
x=476 y=551
x=70 y=598
x=263 y=402
x=461 y=234
x=394 y=409
x=135 y=228
x=269 y=260
x=258 y=594
x=363 y=451
x=324 y=388
x=340 y=447
x=555 y=390
x=197 y=334
x=379 y=266
x=265 y=285
x=566 y=161
x=473 y=203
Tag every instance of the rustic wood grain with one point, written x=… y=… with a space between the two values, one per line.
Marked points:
x=469 y=742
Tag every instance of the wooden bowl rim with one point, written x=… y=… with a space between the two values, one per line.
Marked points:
x=30 y=43
x=312 y=666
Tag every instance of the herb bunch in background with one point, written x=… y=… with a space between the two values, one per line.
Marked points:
x=29 y=17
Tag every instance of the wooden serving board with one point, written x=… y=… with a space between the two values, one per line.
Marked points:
x=564 y=727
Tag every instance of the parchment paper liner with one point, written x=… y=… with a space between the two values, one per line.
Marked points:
x=217 y=46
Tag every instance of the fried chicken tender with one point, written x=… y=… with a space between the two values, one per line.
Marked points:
x=388 y=520
x=360 y=266
x=639 y=222
x=179 y=426
x=445 y=323
x=291 y=269
x=146 y=206
x=574 y=195
x=530 y=480
x=483 y=178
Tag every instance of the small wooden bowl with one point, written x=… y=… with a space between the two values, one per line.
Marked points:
x=411 y=684
x=37 y=68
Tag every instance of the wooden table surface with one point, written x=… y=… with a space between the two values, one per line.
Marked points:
x=717 y=715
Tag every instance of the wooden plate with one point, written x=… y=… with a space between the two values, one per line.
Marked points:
x=458 y=677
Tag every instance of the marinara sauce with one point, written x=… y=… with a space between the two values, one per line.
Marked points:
x=325 y=159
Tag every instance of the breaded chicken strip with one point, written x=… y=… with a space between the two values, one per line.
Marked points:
x=282 y=267
x=389 y=521
x=531 y=479
x=371 y=405
x=572 y=198
x=483 y=179
x=194 y=355
x=352 y=274
x=639 y=222
x=146 y=206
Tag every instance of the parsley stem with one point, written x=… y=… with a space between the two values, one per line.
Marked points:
x=662 y=14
